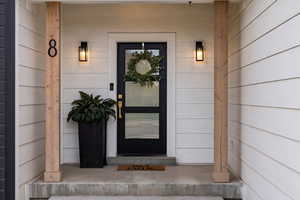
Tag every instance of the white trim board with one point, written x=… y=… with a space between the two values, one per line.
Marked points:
x=113 y=39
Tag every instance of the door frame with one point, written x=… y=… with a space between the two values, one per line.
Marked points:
x=169 y=38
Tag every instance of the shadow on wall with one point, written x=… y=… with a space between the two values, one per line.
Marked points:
x=234 y=107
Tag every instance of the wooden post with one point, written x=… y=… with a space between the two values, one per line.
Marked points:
x=52 y=159
x=220 y=173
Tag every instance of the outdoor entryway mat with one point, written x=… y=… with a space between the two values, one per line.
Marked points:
x=141 y=168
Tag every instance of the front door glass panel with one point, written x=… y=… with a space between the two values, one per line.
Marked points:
x=137 y=95
x=142 y=126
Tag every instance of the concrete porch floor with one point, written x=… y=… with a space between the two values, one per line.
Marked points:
x=174 y=181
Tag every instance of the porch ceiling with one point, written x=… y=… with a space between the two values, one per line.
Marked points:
x=133 y=1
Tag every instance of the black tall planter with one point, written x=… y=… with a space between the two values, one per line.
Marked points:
x=92 y=144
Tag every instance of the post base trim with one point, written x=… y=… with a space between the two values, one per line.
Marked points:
x=52 y=176
x=221 y=177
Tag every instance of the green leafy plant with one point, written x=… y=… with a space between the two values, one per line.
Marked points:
x=90 y=109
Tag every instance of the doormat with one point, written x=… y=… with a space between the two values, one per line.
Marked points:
x=141 y=168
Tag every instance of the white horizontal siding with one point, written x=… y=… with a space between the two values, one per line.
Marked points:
x=261 y=186
x=30 y=90
x=95 y=66
x=31 y=77
x=287 y=180
x=31 y=96
x=71 y=94
x=255 y=51
x=30 y=39
x=186 y=110
x=257 y=139
x=194 y=155
x=282 y=122
x=194 y=80
x=191 y=66
x=194 y=140
x=267 y=20
x=30 y=114
x=264 y=103
x=280 y=67
x=194 y=96
x=273 y=94
x=235 y=11
x=71 y=141
x=31 y=58
x=251 y=12
x=71 y=81
x=33 y=169
x=194 y=125
x=69 y=127
x=71 y=155
x=31 y=151
x=31 y=132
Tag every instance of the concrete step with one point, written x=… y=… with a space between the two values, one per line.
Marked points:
x=135 y=198
x=141 y=160
x=108 y=181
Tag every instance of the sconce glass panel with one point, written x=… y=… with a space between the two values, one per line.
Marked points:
x=199 y=51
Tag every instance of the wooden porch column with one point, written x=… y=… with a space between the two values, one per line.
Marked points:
x=220 y=173
x=52 y=159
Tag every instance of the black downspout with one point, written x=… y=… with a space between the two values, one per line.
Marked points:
x=10 y=101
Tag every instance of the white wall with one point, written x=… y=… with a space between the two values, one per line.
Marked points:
x=194 y=81
x=264 y=98
x=30 y=96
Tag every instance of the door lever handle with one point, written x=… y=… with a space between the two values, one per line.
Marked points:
x=120 y=106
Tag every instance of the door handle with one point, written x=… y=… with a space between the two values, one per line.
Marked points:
x=120 y=106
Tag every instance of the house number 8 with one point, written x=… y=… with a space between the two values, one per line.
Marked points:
x=52 y=51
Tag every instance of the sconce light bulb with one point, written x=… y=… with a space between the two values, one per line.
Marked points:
x=199 y=55
x=82 y=54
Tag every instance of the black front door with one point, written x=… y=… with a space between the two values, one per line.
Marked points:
x=142 y=110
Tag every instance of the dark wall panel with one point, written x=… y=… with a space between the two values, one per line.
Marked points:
x=7 y=99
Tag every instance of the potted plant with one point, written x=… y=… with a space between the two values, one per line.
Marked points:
x=92 y=113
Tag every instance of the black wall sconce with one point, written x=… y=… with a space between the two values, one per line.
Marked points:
x=83 y=52
x=199 y=51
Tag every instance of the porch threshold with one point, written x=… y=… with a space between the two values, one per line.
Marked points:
x=174 y=181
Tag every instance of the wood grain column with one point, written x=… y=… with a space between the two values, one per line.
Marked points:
x=220 y=173
x=52 y=159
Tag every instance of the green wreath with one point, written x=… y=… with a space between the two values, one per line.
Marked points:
x=147 y=78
